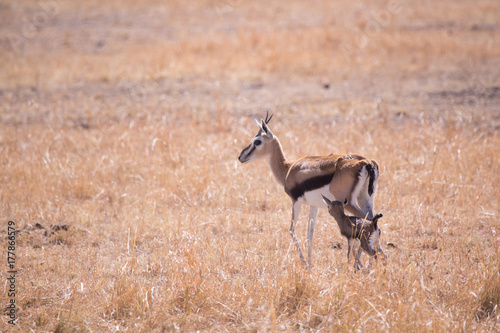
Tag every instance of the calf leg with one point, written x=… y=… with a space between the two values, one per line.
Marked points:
x=357 y=262
x=350 y=245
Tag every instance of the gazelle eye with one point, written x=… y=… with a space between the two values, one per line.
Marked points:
x=257 y=142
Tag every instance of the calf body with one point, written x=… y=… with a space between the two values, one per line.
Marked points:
x=357 y=229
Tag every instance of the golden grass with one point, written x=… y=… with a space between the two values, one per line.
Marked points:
x=133 y=147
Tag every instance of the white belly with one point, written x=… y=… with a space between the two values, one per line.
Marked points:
x=313 y=198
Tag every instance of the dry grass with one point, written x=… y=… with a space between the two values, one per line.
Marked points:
x=120 y=125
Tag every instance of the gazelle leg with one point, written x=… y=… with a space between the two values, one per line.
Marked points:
x=364 y=203
x=379 y=249
x=370 y=206
x=357 y=262
x=313 y=213
x=350 y=244
x=358 y=211
x=295 y=216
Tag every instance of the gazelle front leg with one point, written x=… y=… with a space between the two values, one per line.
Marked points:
x=295 y=216
x=313 y=213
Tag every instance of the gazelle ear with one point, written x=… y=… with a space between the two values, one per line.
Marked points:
x=265 y=128
x=375 y=220
x=260 y=127
x=326 y=200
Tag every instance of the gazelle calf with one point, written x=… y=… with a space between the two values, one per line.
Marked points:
x=354 y=228
x=342 y=177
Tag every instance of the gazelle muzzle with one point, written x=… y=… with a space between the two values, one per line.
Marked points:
x=245 y=154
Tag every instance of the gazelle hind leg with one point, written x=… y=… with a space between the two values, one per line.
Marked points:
x=364 y=202
x=363 y=192
x=357 y=263
x=372 y=183
x=354 y=208
x=350 y=244
x=369 y=204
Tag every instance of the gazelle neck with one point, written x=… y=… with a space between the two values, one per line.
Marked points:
x=277 y=162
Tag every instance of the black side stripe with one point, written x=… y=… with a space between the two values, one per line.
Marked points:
x=309 y=185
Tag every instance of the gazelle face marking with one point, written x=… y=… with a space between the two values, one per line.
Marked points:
x=253 y=151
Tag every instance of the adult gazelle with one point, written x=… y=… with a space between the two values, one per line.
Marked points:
x=347 y=178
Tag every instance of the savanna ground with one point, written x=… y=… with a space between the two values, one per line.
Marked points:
x=120 y=127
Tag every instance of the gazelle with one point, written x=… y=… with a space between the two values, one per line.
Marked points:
x=337 y=177
x=357 y=229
